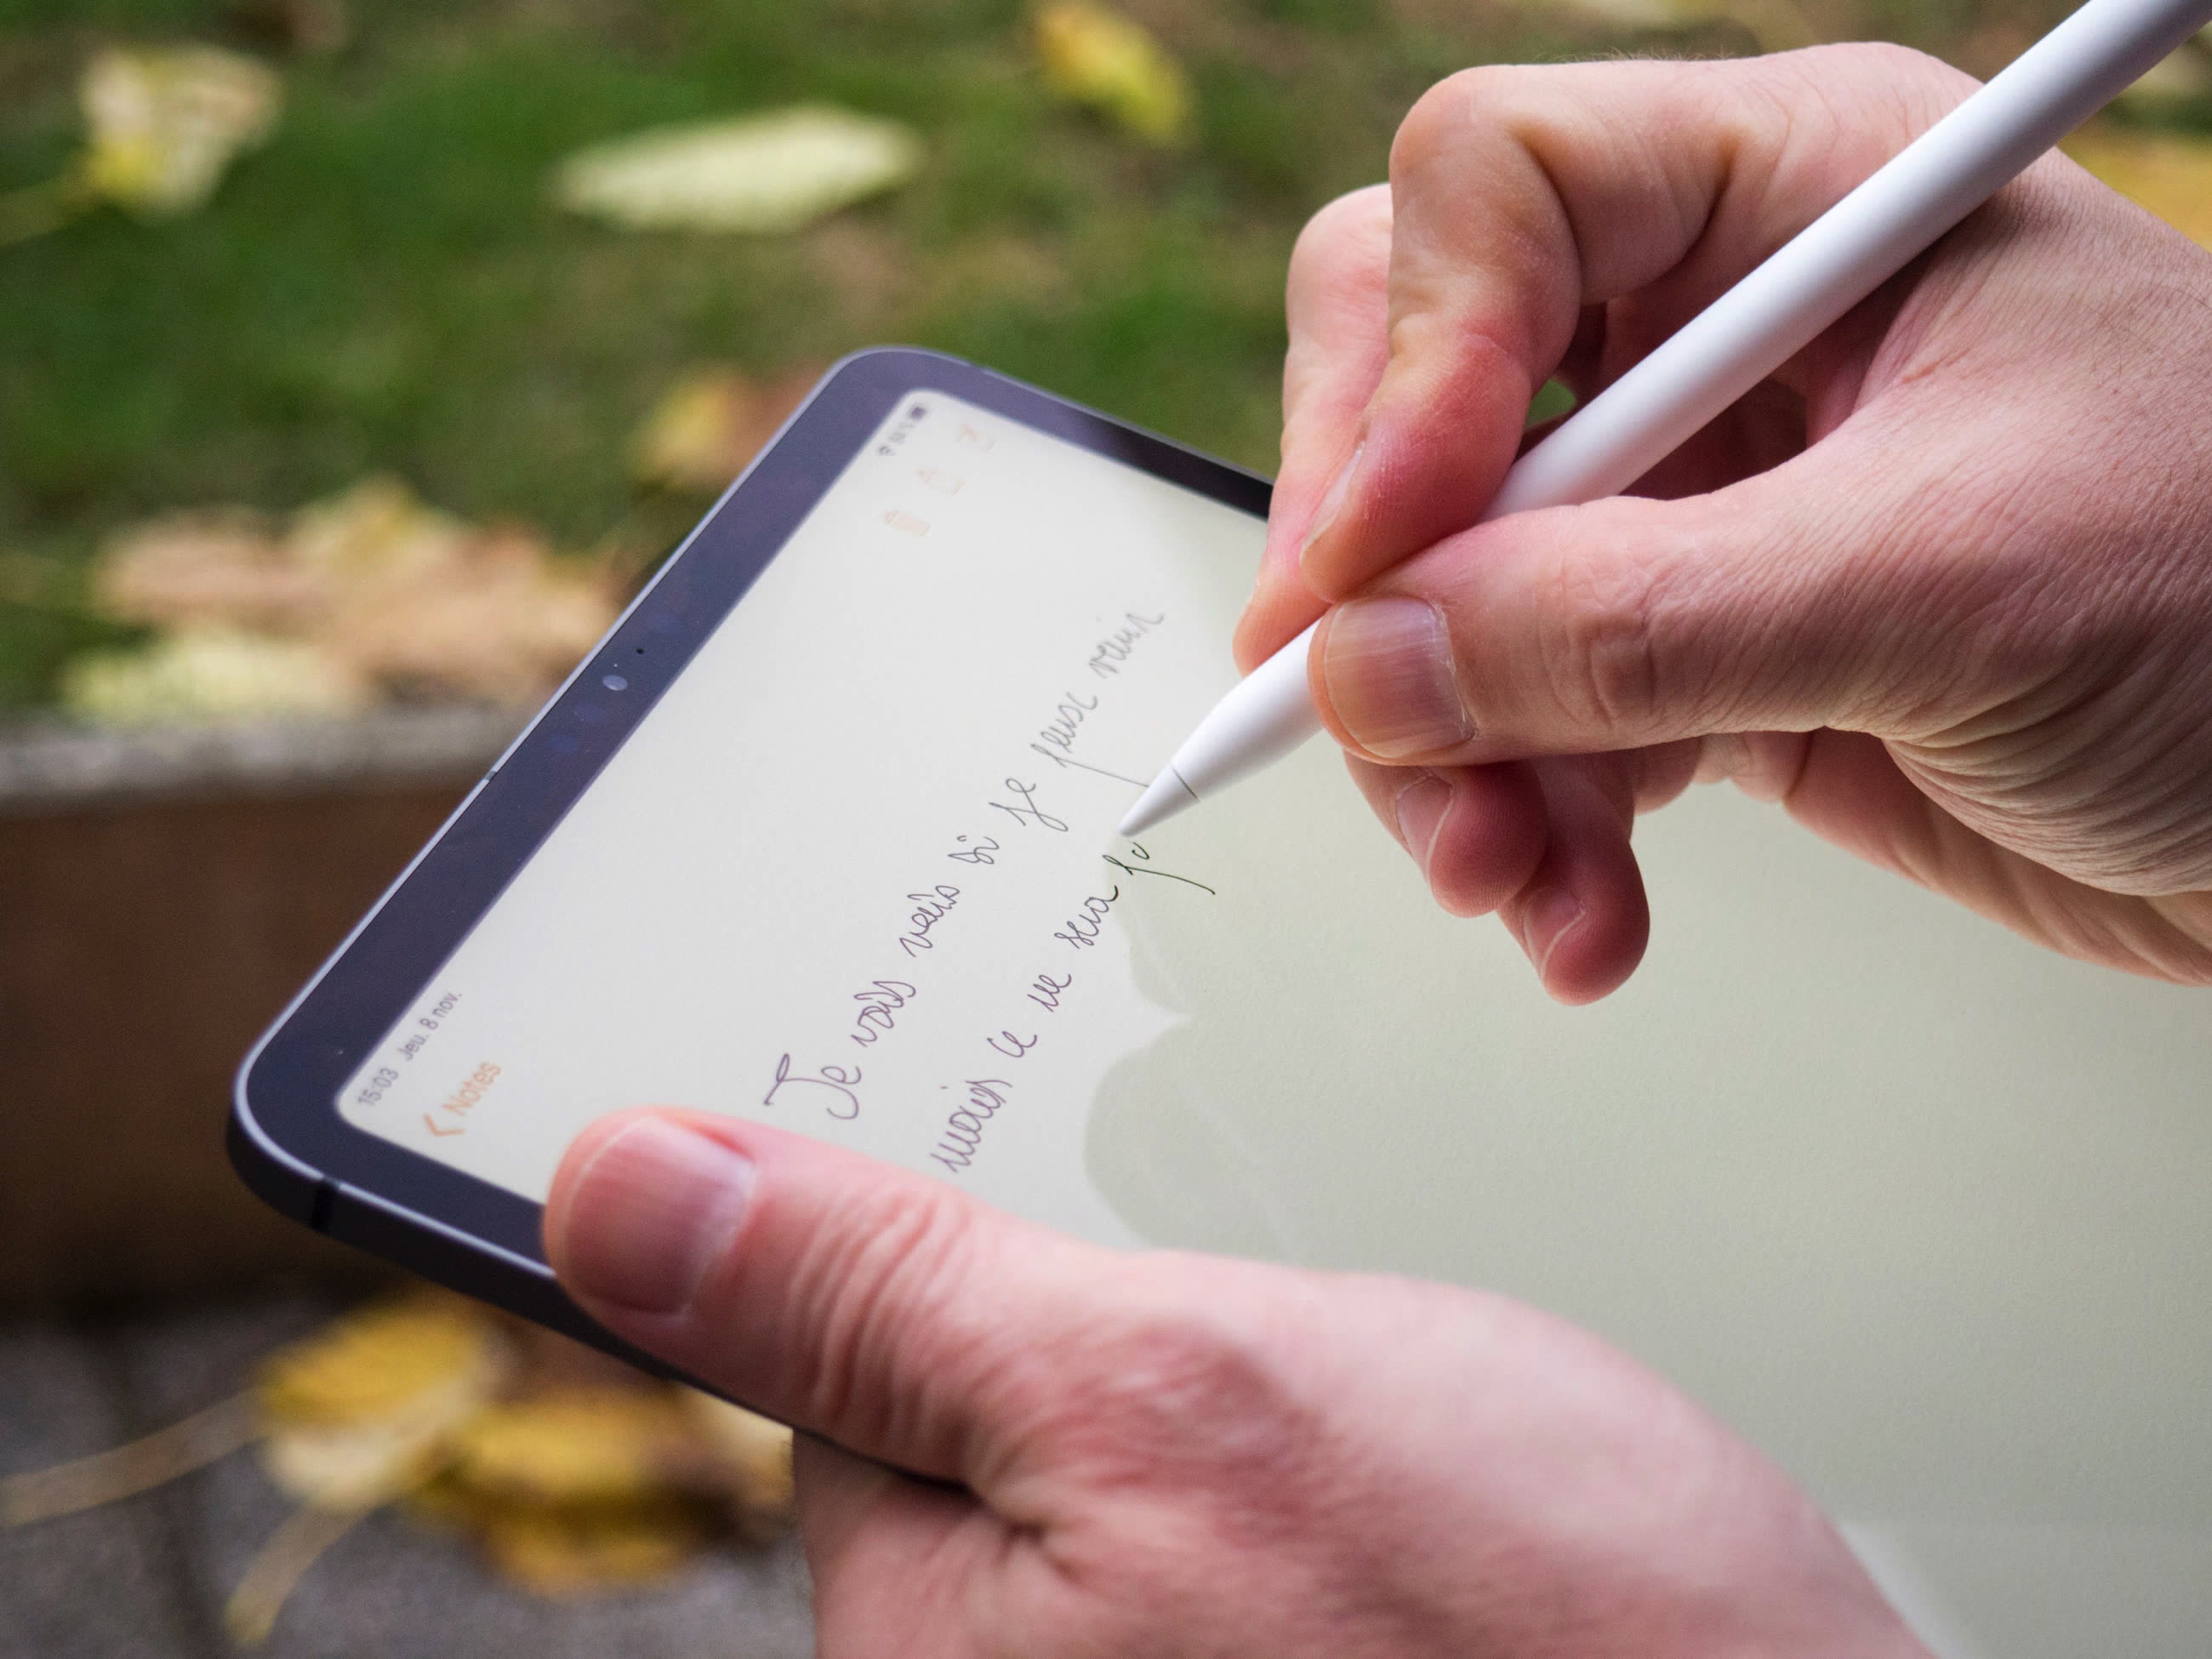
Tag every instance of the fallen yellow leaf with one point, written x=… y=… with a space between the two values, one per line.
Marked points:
x=393 y=1358
x=763 y=174
x=700 y=435
x=212 y=674
x=367 y=592
x=372 y=1405
x=503 y=624
x=165 y=123
x=576 y=1549
x=212 y=569
x=1099 y=58
x=570 y=1446
x=353 y=1467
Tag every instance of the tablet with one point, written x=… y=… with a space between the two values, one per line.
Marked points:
x=821 y=835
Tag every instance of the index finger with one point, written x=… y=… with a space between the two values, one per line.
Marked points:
x=1336 y=303
x=1523 y=195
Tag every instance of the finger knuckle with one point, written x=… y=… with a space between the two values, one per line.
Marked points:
x=1340 y=237
x=1888 y=63
x=1599 y=639
x=880 y=1289
x=1181 y=1392
x=1438 y=119
x=1867 y=77
x=1355 y=213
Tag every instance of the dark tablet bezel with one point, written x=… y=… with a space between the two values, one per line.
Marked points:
x=287 y=1138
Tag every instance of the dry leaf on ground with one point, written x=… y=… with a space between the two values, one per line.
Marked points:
x=1098 y=58
x=2167 y=173
x=571 y=1445
x=165 y=123
x=213 y=674
x=372 y=1406
x=573 y=1473
x=406 y=1355
x=503 y=623
x=707 y=427
x=368 y=593
x=764 y=173
x=354 y=1468
x=582 y=1549
x=208 y=569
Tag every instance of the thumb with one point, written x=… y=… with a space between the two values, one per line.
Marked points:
x=1784 y=603
x=879 y=1309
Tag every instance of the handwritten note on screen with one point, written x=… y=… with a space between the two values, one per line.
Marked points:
x=855 y=874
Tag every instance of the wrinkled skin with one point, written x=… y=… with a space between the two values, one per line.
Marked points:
x=1155 y=1455
x=1943 y=588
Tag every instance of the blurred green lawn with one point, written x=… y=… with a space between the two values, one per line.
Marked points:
x=385 y=286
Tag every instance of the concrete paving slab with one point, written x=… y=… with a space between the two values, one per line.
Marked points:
x=102 y=1583
x=392 y=1590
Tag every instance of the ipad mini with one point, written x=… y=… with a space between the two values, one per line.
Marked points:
x=820 y=832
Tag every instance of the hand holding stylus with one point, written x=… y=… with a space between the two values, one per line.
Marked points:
x=1942 y=585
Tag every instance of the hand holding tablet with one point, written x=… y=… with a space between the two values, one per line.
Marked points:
x=1178 y=1454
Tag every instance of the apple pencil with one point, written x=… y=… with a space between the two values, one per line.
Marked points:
x=1742 y=336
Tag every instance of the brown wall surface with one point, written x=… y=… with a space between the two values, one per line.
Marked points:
x=142 y=949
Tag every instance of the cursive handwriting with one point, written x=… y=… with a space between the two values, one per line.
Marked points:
x=1055 y=739
x=982 y=853
x=1083 y=928
x=1114 y=649
x=963 y=1129
x=882 y=1001
x=1029 y=812
x=935 y=904
x=886 y=1006
x=1139 y=853
x=1046 y=991
x=837 y=1080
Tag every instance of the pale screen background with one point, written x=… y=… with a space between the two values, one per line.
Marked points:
x=1924 y=1211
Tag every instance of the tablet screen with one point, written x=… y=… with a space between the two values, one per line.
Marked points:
x=854 y=873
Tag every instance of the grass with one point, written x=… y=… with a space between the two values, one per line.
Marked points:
x=384 y=286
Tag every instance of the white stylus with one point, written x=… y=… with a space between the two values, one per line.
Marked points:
x=1744 y=336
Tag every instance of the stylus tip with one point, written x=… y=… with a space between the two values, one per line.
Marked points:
x=1168 y=795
